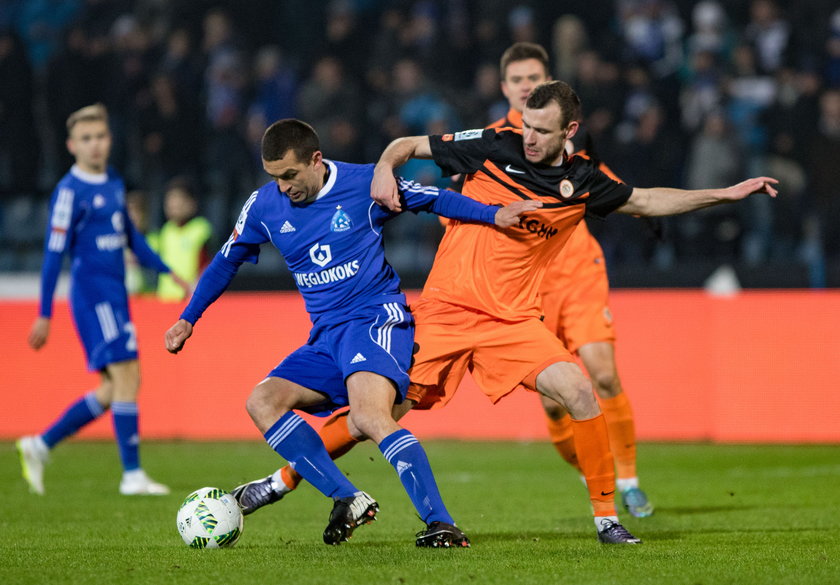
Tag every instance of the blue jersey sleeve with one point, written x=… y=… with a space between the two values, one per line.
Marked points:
x=444 y=202
x=138 y=244
x=243 y=245
x=248 y=235
x=213 y=282
x=64 y=214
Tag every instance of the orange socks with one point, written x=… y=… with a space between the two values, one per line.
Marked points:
x=593 y=448
x=562 y=437
x=622 y=433
x=337 y=439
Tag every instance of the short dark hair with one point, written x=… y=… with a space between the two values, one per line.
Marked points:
x=289 y=134
x=562 y=94
x=521 y=52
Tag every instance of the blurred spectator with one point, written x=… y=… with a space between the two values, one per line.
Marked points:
x=714 y=160
x=19 y=145
x=170 y=133
x=701 y=92
x=769 y=34
x=569 y=40
x=652 y=32
x=750 y=93
x=327 y=101
x=711 y=33
x=832 y=50
x=824 y=171
x=182 y=242
x=39 y=24
x=183 y=65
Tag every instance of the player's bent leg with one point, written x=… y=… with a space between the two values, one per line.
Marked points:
x=560 y=431
x=371 y=399
x=338 y=439
x=599 y=360
x=124 y=378
x=297 y=442
x=564 y=382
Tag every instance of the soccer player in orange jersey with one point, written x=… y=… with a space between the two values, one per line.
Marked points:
x=574 y=296
x=480 y=308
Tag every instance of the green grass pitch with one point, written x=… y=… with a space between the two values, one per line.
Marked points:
x=725 y=514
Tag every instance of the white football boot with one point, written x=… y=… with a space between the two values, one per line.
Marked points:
x=34 y=454
x=137 y=483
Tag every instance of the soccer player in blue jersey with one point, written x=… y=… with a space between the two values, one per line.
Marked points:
x=88 y=220
x=318 y=213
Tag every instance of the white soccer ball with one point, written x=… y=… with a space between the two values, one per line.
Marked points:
x=210 y=518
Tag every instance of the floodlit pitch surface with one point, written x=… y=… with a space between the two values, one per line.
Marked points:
x=741 y=514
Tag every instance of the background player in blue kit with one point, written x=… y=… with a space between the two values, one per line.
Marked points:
x=319 y=214
x=88 y=219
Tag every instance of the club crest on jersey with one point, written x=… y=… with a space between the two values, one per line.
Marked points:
x=340 y=222
x=566 y=188
x=98 y=201
x=320 y=255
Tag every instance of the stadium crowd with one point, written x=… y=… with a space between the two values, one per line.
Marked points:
x=675 y=92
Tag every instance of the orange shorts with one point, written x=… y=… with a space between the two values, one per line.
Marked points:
x=576 y=307
x=499 y=354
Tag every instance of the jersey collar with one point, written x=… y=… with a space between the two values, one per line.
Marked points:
x=95 y=178
x=330 y=180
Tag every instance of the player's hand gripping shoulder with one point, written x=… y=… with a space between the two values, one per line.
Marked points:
x=39 y=333
x=510 y=214
x=177 y=335
x=383 y=187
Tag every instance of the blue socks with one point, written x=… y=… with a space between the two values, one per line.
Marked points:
x=125 y=430
x=298 y=443
x=404 y=452
x=77 y=415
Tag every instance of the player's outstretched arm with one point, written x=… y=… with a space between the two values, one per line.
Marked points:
x=177 y=335
x=665 y=201
x=39 y=333
x=383 y=187
x=510 y=214
x=183 y=284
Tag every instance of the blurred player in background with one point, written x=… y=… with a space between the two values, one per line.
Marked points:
x=319 y=214
x=574 y=295
x=88 y=219
x=182 y=241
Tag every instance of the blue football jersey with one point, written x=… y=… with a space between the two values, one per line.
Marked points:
x=88 y=220
x=332 y=245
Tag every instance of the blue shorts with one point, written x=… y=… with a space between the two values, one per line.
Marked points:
x=377 y=339
x=104 y=327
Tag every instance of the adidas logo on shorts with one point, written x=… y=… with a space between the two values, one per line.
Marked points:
x=358 y=358
x=287 y=227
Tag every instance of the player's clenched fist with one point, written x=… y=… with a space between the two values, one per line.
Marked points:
x=177 y=335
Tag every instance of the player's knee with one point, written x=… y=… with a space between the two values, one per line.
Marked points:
x=264 y=407
x=606 y=382
x=373 y=423
x=554 y=411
